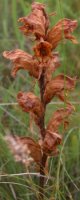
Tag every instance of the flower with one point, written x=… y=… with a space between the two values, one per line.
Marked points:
x=51 y=142
x=58 y=117
x=22 y=60
x=61 y=30
x=43 y=49
x=57 y=85
x=36 y=23
x=31 y=104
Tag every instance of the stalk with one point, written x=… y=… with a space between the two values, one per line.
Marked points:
x=44 y=157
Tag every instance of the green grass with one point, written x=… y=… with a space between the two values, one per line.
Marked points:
x=64 y=169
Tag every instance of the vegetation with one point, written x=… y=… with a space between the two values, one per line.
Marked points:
x=64 y=175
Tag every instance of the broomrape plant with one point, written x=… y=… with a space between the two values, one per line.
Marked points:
x=41 y=65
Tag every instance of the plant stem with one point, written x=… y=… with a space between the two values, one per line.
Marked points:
x=44 y=157
x=42 y=179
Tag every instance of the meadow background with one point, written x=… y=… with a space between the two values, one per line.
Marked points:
x=64 y=169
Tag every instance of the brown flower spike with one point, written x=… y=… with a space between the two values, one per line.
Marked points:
x=41 y=66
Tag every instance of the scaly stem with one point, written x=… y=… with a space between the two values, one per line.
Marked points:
x=44 y=157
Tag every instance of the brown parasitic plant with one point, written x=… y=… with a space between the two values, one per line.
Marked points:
x=41 y=65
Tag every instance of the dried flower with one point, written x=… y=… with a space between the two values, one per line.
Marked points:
x=22 y=60
x=32 y=104
x=51 y=141
x=43 y=49
x=61 y=30
x=57 y=85
x=58 y=117
x=36 y=23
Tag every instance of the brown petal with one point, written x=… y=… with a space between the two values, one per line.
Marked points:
x=58 y=117
x=57 y=85
x=51 y=141
x=37 y=22
x=22 y=60
x=61 y=30
x=30 y=103
x=24 y=148
x=43 y=49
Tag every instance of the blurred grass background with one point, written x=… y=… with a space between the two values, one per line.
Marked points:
x=64 y=169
